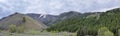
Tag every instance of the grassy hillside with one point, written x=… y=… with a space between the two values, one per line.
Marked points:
x=21 y=20
x=89 y=25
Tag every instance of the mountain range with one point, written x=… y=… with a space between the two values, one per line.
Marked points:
x=39 y=21
x=51 y=19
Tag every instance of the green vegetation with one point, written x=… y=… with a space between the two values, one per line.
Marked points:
x=104 y=32
x=90 y=25
x=12 y=28
x=21 y=29
x=24 y=19
x=0 y=31
x=108 y=33
x=118 y=32
x=34 y=32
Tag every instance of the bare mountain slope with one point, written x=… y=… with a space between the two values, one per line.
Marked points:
x=21 y=19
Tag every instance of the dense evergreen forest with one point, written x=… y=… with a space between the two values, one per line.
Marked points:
x=105 y=24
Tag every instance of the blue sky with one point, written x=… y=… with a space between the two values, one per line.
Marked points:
x=55 y=7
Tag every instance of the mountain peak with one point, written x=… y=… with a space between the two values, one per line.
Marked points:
x=16 y=13
x=71 y=12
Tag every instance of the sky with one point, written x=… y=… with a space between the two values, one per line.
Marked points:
x=55 y=7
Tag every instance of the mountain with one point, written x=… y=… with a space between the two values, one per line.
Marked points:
x=46 y=19
x=90 y=24
x=19 y=19
x=69 y=14
x=52 y=19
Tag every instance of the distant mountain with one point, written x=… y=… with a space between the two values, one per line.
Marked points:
x=21 y=19
x=51 y=19
x=46 y=19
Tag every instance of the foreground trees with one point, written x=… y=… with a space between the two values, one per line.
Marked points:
x=104 y=32
x=118 y=32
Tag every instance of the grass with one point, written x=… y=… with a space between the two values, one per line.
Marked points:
x=37 y=33
x=33 y=32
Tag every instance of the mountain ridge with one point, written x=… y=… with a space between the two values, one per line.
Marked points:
x=51 y=19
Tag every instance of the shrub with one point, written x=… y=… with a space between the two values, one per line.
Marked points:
x=118 y=32
x=21 y=29
x=0 y=31
x=108 y=33
x=104 y=32
x=12 y=28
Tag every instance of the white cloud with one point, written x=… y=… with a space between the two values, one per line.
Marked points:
x=2 y=0
x=103 y=1
x=57 y=6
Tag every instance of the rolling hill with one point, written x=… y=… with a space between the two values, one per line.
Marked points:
x=19 y=19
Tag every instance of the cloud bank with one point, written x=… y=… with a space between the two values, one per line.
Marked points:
x=54 y=7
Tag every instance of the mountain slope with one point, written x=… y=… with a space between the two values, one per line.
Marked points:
x=52 y=19
x=21 y=19
x=91 y=24
x=46 y=19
